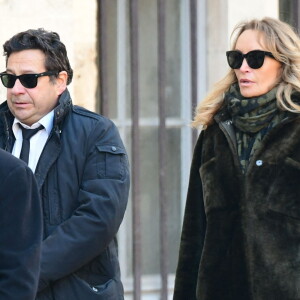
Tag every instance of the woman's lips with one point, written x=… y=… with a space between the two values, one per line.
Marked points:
x=245 y=82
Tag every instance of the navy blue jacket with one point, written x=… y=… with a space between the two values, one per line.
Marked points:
x=83 y=178
x=21 y=230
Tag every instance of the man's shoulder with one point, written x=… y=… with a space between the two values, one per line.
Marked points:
x=9 y=158
x=86 y=115
x=8 y=162
x=85 y=112
x=88 y=124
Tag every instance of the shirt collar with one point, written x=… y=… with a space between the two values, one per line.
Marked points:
x=46 y=121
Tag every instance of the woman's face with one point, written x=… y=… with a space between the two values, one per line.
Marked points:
x=256 y=82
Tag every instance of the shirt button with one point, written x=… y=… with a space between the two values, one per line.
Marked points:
x=113 y=148
x=94 y=289
x=259 y=163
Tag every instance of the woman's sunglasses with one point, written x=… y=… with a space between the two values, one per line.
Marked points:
x=255 y=59
x=28 y=80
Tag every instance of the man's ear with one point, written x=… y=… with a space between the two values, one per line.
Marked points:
x=61 y=82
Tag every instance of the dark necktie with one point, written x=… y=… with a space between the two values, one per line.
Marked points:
x=27 y=134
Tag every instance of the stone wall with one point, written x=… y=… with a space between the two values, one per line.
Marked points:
x=76 y=23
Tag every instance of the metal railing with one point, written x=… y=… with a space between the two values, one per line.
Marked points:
x=135 y=128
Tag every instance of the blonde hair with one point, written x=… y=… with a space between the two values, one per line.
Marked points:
x=284 y=43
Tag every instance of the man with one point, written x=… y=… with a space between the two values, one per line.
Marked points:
x=80 y=165
x=21 y=230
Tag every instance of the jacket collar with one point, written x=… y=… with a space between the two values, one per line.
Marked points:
x=63 y=107
x=222 y=115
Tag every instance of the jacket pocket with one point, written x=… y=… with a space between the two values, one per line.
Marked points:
x=76 y=288
x=284 y=196
x=213 y=187
x=111 y=162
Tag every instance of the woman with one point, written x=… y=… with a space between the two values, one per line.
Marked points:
x=241 y=231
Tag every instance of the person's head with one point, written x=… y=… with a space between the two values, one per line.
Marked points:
x=257 y=72
x=256 y=69
x=31 y=97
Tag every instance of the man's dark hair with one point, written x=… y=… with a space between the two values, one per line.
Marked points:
x=46 y=41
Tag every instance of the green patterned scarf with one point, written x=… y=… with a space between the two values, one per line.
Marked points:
x=253 y=118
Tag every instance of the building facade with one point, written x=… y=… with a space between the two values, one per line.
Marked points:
x=145 y=64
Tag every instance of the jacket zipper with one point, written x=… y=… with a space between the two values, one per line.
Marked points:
x=7 y=135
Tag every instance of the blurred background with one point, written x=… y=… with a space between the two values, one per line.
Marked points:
x=146 y=64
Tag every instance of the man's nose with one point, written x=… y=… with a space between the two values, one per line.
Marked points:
x=18 y=87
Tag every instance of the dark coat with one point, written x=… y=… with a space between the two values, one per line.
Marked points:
x=20 y=230
x=83 y=178
x=241 y=233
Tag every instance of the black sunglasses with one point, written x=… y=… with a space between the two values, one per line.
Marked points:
x=255 y=59
x=28 y=80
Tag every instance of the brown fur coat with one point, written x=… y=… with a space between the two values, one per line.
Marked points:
x=241 y=233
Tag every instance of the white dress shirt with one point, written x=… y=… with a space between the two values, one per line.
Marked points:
x=37 y=142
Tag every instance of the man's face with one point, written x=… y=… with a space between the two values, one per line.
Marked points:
x=30 y=105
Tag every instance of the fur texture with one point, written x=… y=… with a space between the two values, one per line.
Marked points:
x=241 y=233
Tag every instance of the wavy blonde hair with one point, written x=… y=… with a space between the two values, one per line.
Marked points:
x=284 y=43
